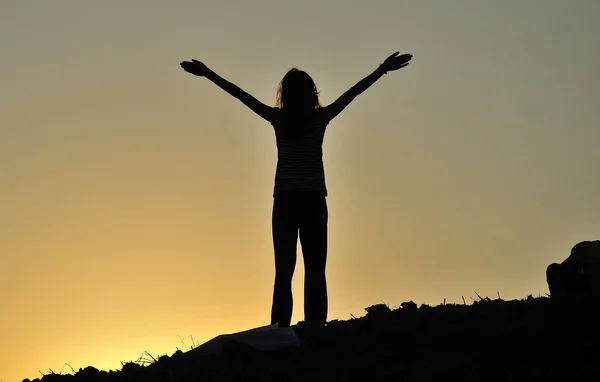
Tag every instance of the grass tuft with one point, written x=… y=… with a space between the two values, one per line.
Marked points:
x=145 y=358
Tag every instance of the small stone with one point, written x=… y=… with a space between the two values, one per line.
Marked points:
x=409 y=305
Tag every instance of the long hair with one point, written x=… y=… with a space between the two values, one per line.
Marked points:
x=297 y=97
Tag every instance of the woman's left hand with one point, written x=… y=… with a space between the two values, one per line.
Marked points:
x=395 y=62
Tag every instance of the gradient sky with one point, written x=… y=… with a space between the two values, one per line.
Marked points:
x=135 y=199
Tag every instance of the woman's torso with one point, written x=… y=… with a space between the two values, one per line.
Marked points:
x=300 y=158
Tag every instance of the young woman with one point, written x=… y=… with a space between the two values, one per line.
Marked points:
x=299 y=206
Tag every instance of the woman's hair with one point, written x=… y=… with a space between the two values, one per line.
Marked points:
x=297 y=91
x=297 y=97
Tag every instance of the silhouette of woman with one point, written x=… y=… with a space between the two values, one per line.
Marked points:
x=299 y=206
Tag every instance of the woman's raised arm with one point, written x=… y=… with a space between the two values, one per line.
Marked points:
x=393 y=62
x=199 y=69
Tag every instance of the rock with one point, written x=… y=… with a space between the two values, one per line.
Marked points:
x=377 y=309
x=578 y=274
x=409 y=305
x=269 y=337
x=131 y=367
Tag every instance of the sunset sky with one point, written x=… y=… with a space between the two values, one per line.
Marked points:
x=136 y=199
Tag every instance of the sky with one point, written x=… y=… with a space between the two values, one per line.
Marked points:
x=136 y=199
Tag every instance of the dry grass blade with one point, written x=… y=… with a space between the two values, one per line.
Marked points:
x=66 y=364
x=182 y=341
x=142 y=360
x=150 y=355
x=51 y=372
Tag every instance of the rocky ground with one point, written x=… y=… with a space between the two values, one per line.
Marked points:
x=534 y=339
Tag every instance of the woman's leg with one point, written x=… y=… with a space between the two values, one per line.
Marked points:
x=285 y=238
x=313 y=237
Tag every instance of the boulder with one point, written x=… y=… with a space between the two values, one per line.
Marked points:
x=269 y=337
x=578 y=274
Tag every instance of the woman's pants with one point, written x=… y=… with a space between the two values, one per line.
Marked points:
x=302 y=213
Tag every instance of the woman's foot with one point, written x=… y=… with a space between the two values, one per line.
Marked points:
x=311 y=335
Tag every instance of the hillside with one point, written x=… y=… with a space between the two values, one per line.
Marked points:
x=534 y=339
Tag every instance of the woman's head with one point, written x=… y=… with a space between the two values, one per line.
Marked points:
x=297 y=92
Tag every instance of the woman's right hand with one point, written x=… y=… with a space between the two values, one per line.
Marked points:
x=395 y=62
x=194 y=67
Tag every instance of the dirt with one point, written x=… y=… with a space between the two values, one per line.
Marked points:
x=533 y=339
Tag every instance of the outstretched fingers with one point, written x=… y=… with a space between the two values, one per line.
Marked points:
x=396 y=61
x=194 y=67
x=406 y=57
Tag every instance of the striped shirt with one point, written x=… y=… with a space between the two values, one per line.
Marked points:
x=300 y=160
